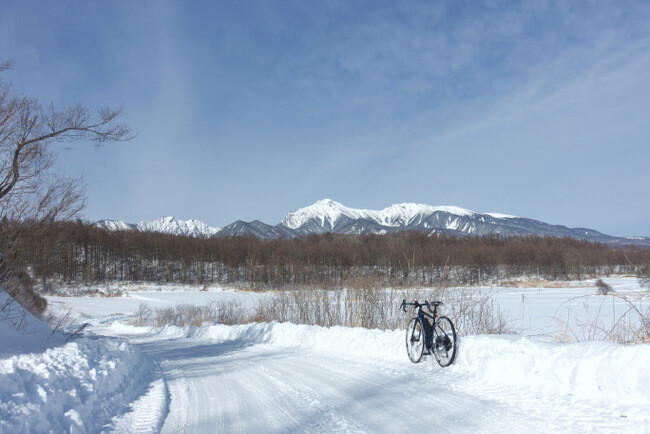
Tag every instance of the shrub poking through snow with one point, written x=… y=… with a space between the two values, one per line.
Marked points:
x=644 y=276
x=364 y=306
x=603 y=288
x=142 y=316
x=630 y=327
x=228 y=312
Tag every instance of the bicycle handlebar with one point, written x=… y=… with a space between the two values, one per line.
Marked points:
x=416 y=304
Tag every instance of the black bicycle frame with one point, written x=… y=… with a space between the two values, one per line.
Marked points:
x=423 y=317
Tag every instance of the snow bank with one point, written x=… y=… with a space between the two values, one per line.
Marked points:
x=50 y=385
x=385 y=345
x=351 y=342
x=594 y=371
x=22 y=332
x=78 y=387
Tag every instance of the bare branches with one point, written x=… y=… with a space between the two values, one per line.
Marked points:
x=29 y=189
x=642 y=271
x=62 y=199
x=76 y=123
x=27 y=133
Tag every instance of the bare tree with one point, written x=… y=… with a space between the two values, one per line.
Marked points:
x=643 y=273
x=29 y=187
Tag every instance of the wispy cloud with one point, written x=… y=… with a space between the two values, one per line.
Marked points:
x=248 y=109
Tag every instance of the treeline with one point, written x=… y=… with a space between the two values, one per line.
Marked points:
x=79 y=252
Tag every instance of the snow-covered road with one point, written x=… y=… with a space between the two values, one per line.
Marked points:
x=248 y=384
x=227 y=387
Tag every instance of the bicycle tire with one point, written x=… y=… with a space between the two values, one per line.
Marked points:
x=445 y=342
x=415 y=340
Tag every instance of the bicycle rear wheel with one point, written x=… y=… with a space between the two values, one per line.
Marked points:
x=445 y=344
x=415 y=340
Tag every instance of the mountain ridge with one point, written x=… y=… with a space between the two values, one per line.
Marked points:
x=167 y=225
x=330 y=216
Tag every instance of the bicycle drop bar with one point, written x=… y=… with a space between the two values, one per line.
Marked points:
x=416 y=304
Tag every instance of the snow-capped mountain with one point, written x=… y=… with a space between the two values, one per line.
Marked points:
x=330 y=216
x=165 y=225
x=115 y=225
x=171 y=225
x=255 y=228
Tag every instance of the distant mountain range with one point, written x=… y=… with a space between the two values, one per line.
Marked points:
x=330 y=216
x=166 y=225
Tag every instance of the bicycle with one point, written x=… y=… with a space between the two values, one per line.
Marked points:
x=437 y=336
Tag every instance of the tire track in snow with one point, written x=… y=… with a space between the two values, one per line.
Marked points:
x=179 y=403
x=322 y=417
x=148 y=412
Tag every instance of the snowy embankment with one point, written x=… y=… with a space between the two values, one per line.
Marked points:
x=596 y=371
x=613 y=377
x=48 y=384
x=81 y=385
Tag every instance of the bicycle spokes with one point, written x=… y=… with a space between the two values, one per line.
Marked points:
x=415 y=340
x=445 y=345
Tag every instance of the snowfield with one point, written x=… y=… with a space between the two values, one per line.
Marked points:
x=283 y=377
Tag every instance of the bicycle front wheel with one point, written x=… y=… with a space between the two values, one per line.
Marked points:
x=445 y=344
x=415 y=340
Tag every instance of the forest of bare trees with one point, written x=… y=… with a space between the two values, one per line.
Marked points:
x=82 y=253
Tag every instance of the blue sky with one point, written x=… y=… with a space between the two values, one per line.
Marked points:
x=248 y=110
